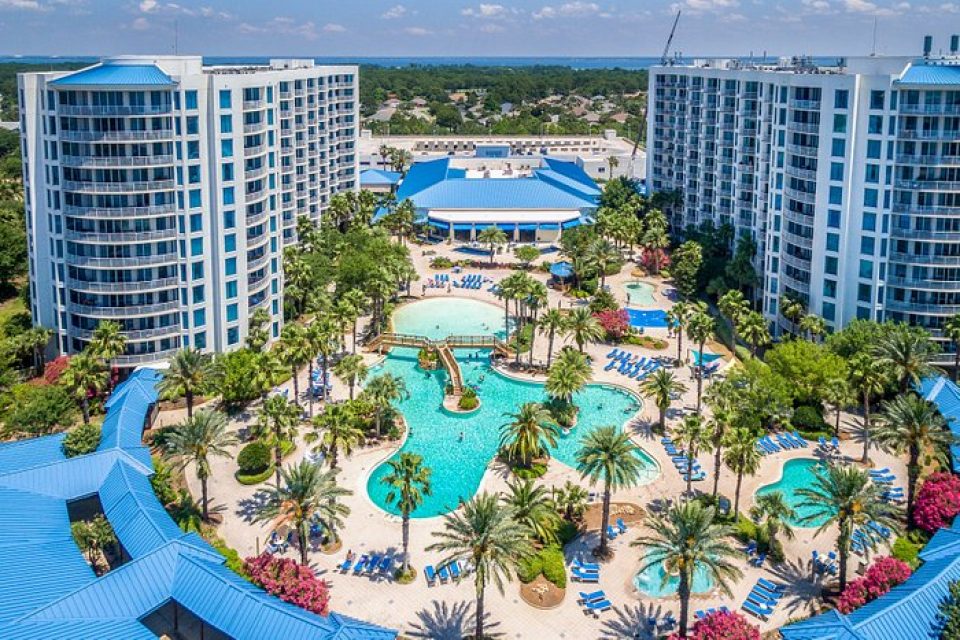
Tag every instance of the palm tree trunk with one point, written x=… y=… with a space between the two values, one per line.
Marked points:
x=203 y=498
x=406 y=542
x=602 y=549
x=836 y=426
x=302 y=534
x=684 y=593
x=689 y=471
x=913 y=472
x=278 y=454
x=296 y=385
x=188 y=395
x=354 y=337
x=377 y=420
x=956 y=360
x=736 y=494
x=843 y=549
x=478 y=632
x=352 y=383
x=310 y=386
x=550 y=349
x=506 y=318
x=323 y=377
x=85 y=406
x=663 y=420
x=533 y=335
x=679 y=342
x=866 y=428
x=716 y=468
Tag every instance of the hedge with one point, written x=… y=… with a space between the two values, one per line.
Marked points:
x=254 y=458
x=549 y=562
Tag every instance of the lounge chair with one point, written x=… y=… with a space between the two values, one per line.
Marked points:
x=431 y=575
x=752 y=548
x=759 y=597
x=345 y=565
x=835 y=443
x=801 y=440
x=723 y=609
x=773 y=587
x=611 y=532
x=597 y=606
x=771 y=595
x=586 y=566
x=592 y=597
x=443 y=573
x=760 y=612
x=361 y=564
x=621 y=525
x=373 y=562
x=759 y=560
x=582 y=576
x=669 y=621
x=823 y=443
x=880 y=472
x=699 y=614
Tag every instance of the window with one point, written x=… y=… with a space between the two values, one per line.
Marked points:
x=836 y=195
x=190 y=99
x=233 y=335
x=227 y=171
x=874 y=148
x=833 y=219
x=229 y=219
x=870 y=197
x=200 y=318
x=193 y=174
x=839 y=123
x=840 y=98
x=866 y=269
x=872 y=173
x=869 y=221
x=836 y=171
x=200 y=340
x=193 y=125
x=196 y=246
x=875 y=125
x=829 y=311
x=196 y=222
x=833 y=242
x=868 y=245
x=863 y=313
x=224 y=98
x=226 y=148
x=876 y=99
x=196 y=270
x=232 y=314
x=231 y=289
x=830 y=265
x=864 y=292
x=230 y=242
x=193 y=150
x=838 y=148
x=198 y=294
x=195 y=197
x=228 y=197
x=230 y=266
x=830 y=288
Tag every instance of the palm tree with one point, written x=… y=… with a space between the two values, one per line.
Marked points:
x=35 y=340
x=741 y=456
x=382 y=391
x=278 y=423
x=295 y=351
x=661 y=386
x=911 y=425
x=529 y=434
x=258 y=332
x=734 y=307
x=700 y=328
x=357 y=302
x=268 y=371
x=533 y=508
x=692 y=435
x=195 y=440
x=583 y=327
x=536 y=300
x=792 y=310
x=567 y=376
x=844 y=496
x=951 y=331
x=108 y=341
x=340 y=431
x=753 y=328
x=409 y=481
x=772 y=510
x=190 y=372
x=85 y=375
x=907 y=353
x=686 y=538
x=603 y=253
x=484 y=533
x=352 y=370
x=608 y=455
x=813 y=326
x=839 y=394
x=570 y=500
x=677 y=319
x=721 y=396
x=324 y=336
x=493 y=237
x=306 y=495
x=869 y=377
x=552 y=322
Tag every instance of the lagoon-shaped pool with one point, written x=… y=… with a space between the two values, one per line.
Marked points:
x=797 y=473
x=639 y=293
x=651 y=581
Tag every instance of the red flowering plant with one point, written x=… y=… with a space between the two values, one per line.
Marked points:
x=615 y=323
x=654 y=260
x=937 y=502
x=884 y=574
x=289 y=581
x=722 y=626
x=54 y=369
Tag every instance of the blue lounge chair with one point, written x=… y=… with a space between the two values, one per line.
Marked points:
x=772 y=596
x=723 y=609
x=621 y=525
x=759 y=560
x=597 y=606
x=801 y=440
x=373 y=562
x=823 y=443
x=443 y=573
x=613 y=354
x=773 y=587
x=611 y=365
x=345 y=565
x=586 y=566
x=431 y=575
x=699 y=614
x=761 y=598
x=880 y=472
x=361 y=565
x=835 y=443
x=611 y=532
x=386 y=564
x=582 y=576
x=455 y=570
x=752 y=548
x=592 y=597
x=760 y=612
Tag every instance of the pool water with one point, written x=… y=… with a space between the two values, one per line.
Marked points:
x=459 y=447
x=705 y=357
x=650 y=581
x=798 y=473
x=639 y=293
x=647 y=317
x=437 y=318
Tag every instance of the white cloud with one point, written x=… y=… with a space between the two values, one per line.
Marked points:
x=698 y=7
x=568 y=10
x=873 y=9
x=333 y=27
x=491 y=28
x=140 y=24
x=147 y=6
x=486 y=11
x=284 y=26
x=817 y=6
x=417 y=31
x=22 y=5
x=394 y=12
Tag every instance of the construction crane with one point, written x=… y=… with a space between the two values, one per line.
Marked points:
x=663 y=60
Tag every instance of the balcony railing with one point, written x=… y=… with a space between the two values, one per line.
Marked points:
x=131 y=262
x=115 y=161
x=927 y=159
x=123 y=110
x=805 y=104
x=928 y=185
x=120 y=212
x=118 y=187
x=100 y=311
x=123 y=287
x=922 y=283
x=911 y=258
x=116 y=136
x=916 y=134
x=933 y=109
x=144 y=358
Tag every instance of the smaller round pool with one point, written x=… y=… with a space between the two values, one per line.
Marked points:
x=639 y=293
x=650 y=581
x=797 y=474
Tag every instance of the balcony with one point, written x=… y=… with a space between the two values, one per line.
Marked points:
x=115 y=161
x=803 y=174
x=916 y=134
x=798 y=218
x=258 y=263
x=135 y=335
x=117 y=238
x=800 y=196
x=121 y=212
x=116 y=136
x=812 y=105
x=928 y=159
x=802 y=150
x=930 y=109
x=797 y=285
x=118 y=187
x=922 y=283
x=928 y=185
x=100 y=311
x=251 y=105
x=924 y=234
x=256 y=172
x=123 y=287
x=915 y=307
x=131 y=262
x=255 y=127
x=917 y=209
x=145 y=358
x=911 y=258
x=123 y=110
x=795 y=261
x=792 y=238
x=257 y=150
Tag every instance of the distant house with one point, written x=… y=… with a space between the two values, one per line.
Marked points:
x=620 y=117
x=393 y=103
x=419 y=102
x=457 y=96
x=383 y=114
x=506 y=108
x=592 y=117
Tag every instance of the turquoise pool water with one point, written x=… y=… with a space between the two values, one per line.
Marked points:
x=437 y=318
x=639 y=293
x=647 y=317
x=650 y=581
x=797 y=473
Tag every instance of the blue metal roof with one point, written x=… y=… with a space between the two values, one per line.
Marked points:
x=942 y=392
x=379 y=177
x=931 y=74
x=142 y=75
x=47 y=590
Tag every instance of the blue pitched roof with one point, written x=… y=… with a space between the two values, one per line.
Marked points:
x=47 y=590
x=379 y=177
x=142 y=75
x=931 y=74
x=944 y=393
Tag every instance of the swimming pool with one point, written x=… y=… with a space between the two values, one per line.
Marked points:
x=647 y=317
x=706 y=357
x=650 y=581
x=639 y=293
x=798 y=473
x=437 y=318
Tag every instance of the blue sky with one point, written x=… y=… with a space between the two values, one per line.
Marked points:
x=459 y=28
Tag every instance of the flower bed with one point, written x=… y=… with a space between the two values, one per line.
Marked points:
x=289 y=581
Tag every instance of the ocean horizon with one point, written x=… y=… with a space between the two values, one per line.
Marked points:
x=573 y=62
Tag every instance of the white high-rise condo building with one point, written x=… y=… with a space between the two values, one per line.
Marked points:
x=161 y=193
x=847 y=176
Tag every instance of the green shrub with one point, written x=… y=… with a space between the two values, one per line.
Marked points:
x=808 y=418
x=906 y=551
x=254 y=458
x=236 y=384
x=468 y=401
x=529 y=568
x=590 y=286
x=254 y=478
x=37 y=410
x=81 y=440
x=534 y=471
x=520 y=340
x=603 y=301
x=567 y=532
x=234 y=561
x=745 y=529
x=162 y=481
x=742 y=352
x=441 y=262
x=553 y=567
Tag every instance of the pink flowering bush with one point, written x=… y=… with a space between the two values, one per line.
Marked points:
x=884 y=574
x=722 y=626
x=937 y=502
x=654 y=260
x=289 y=581
x=616 y=323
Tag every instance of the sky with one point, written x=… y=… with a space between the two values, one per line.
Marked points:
x=372 y=28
